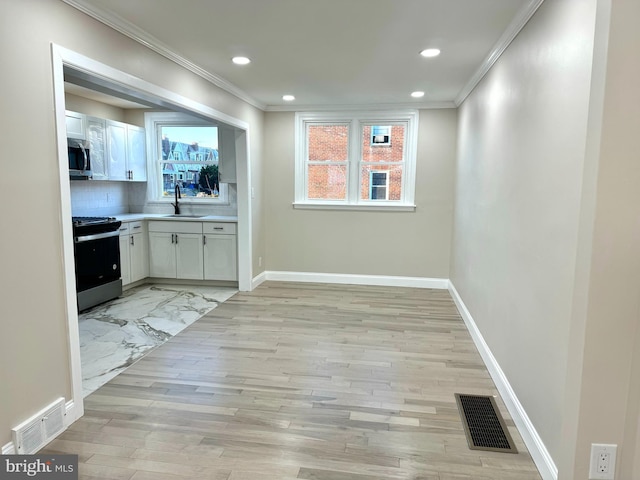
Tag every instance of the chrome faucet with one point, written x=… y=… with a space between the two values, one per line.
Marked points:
x=176 y=206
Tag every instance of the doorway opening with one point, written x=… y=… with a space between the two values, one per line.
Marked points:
x=90 y=74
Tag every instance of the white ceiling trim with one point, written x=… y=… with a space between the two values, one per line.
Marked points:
x=135 y=33
x=358 y=107
x=517 y=24
x=132 y=31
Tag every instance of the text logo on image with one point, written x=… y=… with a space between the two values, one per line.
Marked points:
x=50 y=467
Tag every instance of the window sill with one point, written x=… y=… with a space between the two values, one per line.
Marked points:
x=360 y=207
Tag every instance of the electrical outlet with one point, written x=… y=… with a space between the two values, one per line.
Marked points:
x=603 y=462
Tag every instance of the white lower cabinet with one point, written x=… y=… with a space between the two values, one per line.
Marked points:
x=134 y=252
x=189 y=256
x=175 y=250
x=193 y=250
x=220 y=251
x=125 y=263
x=139 y=256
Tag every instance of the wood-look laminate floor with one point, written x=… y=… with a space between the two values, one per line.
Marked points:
x=306 y=381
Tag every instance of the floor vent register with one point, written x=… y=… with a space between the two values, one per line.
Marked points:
x=483 y=425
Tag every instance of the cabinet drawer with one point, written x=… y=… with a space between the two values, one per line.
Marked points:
x=175 y=227
x=136 y=227
x=219 y=228
x=131 y=227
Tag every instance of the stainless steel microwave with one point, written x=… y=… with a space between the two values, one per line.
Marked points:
x=79 y=161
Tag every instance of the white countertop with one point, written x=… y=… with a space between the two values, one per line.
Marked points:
x=132 y=217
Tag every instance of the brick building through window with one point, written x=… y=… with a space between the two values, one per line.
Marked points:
x=355 y=161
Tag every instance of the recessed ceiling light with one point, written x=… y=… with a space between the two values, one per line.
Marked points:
x=288 y=98
x=240 y=60
x=430 y=52
x=417 y=94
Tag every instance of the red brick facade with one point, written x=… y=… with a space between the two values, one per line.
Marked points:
x=383 y=153
x=329 y=143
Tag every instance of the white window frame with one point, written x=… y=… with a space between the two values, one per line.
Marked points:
x=356 y=121
x=153 y=122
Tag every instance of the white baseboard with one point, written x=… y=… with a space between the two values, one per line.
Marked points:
x=258 y=279
x=71 y=413
x=343 y=278
x=9 y=449
x=537 y=449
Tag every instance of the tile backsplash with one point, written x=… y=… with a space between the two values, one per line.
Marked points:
x=92 y=198
x=105 y=198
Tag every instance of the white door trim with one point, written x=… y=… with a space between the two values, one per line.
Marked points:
x=63 y=57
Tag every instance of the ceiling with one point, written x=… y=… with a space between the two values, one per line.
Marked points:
x=329 y=53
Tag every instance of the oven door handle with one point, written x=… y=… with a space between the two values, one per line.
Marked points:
x=96 y=236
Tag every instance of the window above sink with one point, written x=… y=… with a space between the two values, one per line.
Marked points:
x=184 y=153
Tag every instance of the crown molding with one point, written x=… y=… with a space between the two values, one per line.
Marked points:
x=135 y=33
x=517 y=24
x=359 y=108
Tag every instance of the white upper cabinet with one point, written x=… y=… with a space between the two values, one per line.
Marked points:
x=117 y=150
x=136 y=154
x=126 y=152
x=76 y=126
x=227 y=154
x=96 y=135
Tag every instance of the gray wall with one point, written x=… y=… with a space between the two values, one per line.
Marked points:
x=544 y=249
x=415 y=244
x=607 y=297
x=521 y=147
x=33 y=347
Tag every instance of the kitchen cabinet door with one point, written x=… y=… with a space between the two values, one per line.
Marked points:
x=227 y=155
x=76 y=127
x=220 y=257
x=189 y=256
x=136 y=154
x=117 y=150
x=162 y=255
x=139 y=257
x=96 y=135
x=125 y=264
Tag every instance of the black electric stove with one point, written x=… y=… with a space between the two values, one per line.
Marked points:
x=96 y=247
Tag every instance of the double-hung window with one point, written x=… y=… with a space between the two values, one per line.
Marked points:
x=184 y=155
x=356 y=160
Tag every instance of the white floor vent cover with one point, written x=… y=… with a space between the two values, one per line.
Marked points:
x=33 y=434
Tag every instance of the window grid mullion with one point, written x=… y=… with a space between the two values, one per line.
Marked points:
x=353 y=190
x=356 y=125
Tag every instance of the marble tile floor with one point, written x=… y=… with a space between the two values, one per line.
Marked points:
x=117 y=333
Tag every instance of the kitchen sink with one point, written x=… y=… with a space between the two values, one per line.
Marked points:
x=180 y=215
